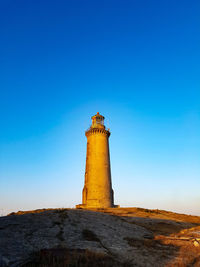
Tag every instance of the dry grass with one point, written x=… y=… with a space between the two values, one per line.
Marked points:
x=21 y=212
x=155 y=213
x=187 y=254
x=62 y=257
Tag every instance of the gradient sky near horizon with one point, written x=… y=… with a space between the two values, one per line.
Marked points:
x=137 y=62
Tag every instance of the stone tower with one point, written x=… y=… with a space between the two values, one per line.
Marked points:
x=97 y=191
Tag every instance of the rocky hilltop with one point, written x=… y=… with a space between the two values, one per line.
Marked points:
x=111 y=237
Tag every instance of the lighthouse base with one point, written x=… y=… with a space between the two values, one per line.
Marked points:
x=84 y=206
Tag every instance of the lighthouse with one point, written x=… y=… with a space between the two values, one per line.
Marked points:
x=97 y=191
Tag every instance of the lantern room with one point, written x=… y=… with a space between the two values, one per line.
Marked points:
x=97 y=121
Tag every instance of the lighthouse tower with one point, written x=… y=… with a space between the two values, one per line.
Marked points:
x=97 y=191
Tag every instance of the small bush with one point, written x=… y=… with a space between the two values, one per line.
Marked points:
x=62 y=213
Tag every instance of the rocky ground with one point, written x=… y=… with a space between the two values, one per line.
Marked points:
x=111 y=237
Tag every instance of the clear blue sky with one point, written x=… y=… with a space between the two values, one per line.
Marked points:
x=136 y=62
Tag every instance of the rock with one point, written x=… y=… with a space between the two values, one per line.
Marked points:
x=4 y=262
x=21 y=235
x=123 y=236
